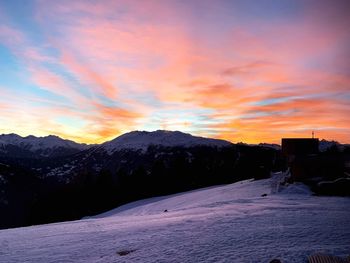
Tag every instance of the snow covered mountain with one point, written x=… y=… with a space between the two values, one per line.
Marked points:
x=325 y=145
x=31 y=146
x=232 y=223
x=142 y=140
x=132 y=150
x=274 y=146
x=54 y=146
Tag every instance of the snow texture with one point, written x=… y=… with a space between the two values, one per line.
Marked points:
x=140 y=140
x=230 y=223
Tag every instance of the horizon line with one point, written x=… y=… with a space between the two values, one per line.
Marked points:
x=208 y=137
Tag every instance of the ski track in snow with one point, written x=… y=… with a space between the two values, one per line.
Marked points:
x=230 y=223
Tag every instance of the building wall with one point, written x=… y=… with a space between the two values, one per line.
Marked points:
x=299 y=146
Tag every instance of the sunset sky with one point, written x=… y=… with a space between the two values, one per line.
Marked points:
x=250 y=71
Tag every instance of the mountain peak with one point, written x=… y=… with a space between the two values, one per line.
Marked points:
x=142 y=139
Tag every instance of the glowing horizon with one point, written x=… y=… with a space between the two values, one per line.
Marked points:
x=244 y=71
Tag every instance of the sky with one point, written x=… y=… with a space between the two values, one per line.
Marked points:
x=244 y=71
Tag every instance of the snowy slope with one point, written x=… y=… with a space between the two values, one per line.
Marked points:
x=142 y=139
x=231 y=223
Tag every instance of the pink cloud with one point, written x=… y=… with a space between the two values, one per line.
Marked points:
x=87 y=75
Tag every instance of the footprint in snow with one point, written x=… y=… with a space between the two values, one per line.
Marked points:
x=125 y=252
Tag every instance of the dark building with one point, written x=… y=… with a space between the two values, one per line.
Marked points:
x=299 y=146
x=324 y=171
x=302 y=157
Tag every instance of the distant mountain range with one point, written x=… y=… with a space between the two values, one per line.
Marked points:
x=32 y=147
x=53 y=146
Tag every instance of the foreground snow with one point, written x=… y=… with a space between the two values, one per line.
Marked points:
x=231 y=223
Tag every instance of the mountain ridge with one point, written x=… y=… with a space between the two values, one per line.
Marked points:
x=51 y=140
x=32 y=146
x=134 y=140
x=140 y=140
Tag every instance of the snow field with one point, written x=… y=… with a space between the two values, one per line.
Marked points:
x=230 y=223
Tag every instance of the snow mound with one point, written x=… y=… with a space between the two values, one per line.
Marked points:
x=296 y=189
x=142 y=139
